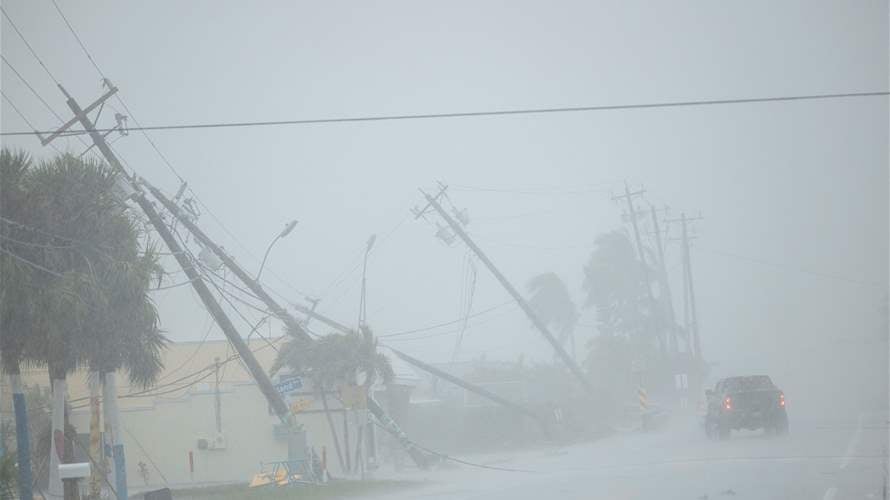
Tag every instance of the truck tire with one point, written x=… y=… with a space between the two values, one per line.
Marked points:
x=723 y=431
x=782 y=425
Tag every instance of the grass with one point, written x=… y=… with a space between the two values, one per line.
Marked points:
x=332 y=490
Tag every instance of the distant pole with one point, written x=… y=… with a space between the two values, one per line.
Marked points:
x=632 y=213
x=560 y=350
x=691 y=285
x=668 y=297
x=217 y=397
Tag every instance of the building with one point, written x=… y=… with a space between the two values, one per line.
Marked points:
x=178 y=434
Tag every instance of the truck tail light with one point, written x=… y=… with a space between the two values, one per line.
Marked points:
x=782 y=399
x=727 y=403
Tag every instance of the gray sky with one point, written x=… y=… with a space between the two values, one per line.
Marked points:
x=800 y=185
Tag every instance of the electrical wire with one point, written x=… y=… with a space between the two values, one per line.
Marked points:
x=443 y=456
x=30 y=48
x=509 y=112
x=30 y=263
x=79 y=41
x=24 y=118
x=785 y=267
x=31 y=88
x=447 y=323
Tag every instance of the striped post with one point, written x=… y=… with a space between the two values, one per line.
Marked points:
x=644 y=406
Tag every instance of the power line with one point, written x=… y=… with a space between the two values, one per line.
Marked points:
x=473 y=114
x=24 y=118
x=30 y=49
x=118 y=96
x=79 y=41
x=447 y=323
x=30 y=263
x=31 y=88
x=786 y=267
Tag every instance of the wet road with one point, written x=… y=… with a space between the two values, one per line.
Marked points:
x=827 y=459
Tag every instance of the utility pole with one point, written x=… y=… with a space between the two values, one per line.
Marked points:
x=689 y=286
x=389 y=425
x=628 y=196
x=665 y=285
x=472 y=388
x=265 y=385
x=293 y=326
x=458 y=229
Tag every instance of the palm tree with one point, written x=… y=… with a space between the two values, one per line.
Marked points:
x=16 y=284
x=92 y=288
x=332 y=361
x=616 y=288
x=125 y=335
x=554 y=306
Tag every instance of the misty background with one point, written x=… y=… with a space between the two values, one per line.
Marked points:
x=791 y=260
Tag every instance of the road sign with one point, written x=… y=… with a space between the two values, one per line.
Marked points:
x=300 y=405
x=289 y=385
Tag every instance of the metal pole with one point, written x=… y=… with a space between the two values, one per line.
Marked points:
x=217 y=397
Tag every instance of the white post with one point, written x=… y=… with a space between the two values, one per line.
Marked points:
x=106 y=433
x=98 y=467
x=117 y=445
x=57 y=441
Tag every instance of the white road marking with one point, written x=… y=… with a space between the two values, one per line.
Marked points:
x=853 y=444
x=830 y=493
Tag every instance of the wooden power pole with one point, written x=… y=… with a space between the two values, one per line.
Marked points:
x=628 y=196
x=688 y=283
x=542 y=328
x=259 y=375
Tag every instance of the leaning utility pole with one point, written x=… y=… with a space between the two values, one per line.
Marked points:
x=284 y=315
x=459 y=230
x=689 y=286
x=265 y=385
x=472 y=388
x=293 y=326
x=632 y=213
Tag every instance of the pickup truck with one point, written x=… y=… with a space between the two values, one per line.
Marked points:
x=749 y=402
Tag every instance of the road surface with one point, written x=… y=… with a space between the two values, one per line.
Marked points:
x=820 y=459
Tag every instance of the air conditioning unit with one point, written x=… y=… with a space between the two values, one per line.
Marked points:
x=218 y=442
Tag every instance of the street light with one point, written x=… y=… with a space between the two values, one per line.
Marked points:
x=284 y=232
x=362 y=305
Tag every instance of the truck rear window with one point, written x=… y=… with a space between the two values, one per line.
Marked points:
x=752 y=383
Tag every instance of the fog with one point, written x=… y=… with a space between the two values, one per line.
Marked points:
x=790 y=256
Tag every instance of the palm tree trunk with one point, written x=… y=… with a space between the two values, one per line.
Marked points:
x=22 y=434
x=327 y=414
x=96 y=471
x=117 y=446
x=57 y=436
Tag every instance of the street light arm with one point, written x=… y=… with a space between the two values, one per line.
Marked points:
x=266 y=256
